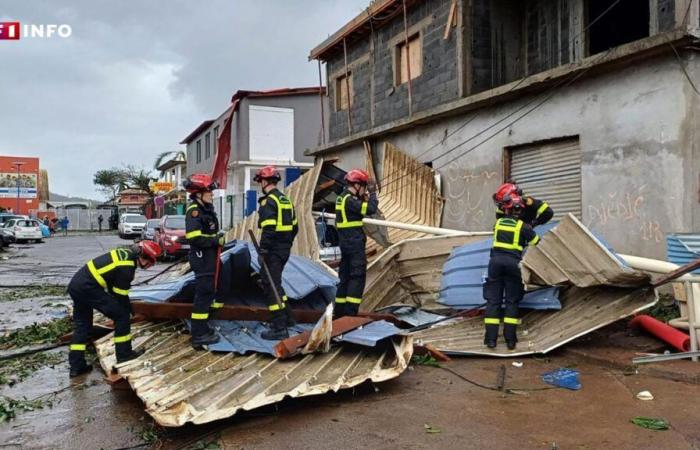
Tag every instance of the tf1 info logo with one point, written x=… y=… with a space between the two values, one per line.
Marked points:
x=13 y=31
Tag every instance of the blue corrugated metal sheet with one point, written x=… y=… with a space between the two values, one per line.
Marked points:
x=411 y=315
x=683 y=248
x=369 y=335
x=242 y=336
x=466 y=269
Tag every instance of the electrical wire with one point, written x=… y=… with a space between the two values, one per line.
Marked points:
x=685 y=71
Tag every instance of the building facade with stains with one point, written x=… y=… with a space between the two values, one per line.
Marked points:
x=592 y=105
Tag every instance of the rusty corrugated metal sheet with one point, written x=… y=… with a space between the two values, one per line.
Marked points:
x=302 y=194
x=408 y=194
x=179 y=385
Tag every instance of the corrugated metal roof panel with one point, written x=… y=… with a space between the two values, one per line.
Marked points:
x=369 y=335
x=244 y=336
x=179 y=385
x=683 y=248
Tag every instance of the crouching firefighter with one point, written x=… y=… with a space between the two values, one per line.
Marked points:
x=534 y=212
x=103 y=284
x=278 y=222
x=351 y=206
x=202 y=233
x=510 y=237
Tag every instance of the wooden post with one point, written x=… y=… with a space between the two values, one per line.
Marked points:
x=347 y=86
x=320 y=96
x=692 y=320
x=408 y=61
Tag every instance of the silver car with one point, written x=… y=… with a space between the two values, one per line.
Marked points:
x=149 y=231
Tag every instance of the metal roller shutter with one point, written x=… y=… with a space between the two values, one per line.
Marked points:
x=551 y=172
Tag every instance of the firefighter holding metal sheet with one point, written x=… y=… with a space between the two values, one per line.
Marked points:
x=103 y=284
x=278 y=221
x=351 y=206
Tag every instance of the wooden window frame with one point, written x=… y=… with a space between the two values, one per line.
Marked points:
x=207 y=146
x=199 y=150
x=397 y=60
x=339 y=82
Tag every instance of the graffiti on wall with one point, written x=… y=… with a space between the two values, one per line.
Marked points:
x=625 y=209
x=468 y=197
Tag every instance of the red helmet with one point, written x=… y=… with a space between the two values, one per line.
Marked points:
x=512 y=202
x=267 y=173
x=357 y=176
x=150 y=250
x=504 y=190
x=199 y=182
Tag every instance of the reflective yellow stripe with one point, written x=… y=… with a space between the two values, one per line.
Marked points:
x=340 y=208
x=275 y=307
x=534 y=241
x=96 y=275
x=268 y=223
x=285 y=298
x=119 y=339
x=217 y=305
x=363 y=210
x=499 y=211
x=195 y=233
x=511 y=320
x=193 y=205
x=340 y=300
x=78 y=347
x=281 y=207
x=492 y=321
x=200 y=316
x=354 y=300
x=503 y=225
x=120 y=291
x=542 y=208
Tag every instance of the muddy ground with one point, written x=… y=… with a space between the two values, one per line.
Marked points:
x=427 y=407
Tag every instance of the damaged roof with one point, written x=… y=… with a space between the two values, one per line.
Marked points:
x=179 y=385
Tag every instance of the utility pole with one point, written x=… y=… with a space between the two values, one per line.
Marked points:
x=18 y=165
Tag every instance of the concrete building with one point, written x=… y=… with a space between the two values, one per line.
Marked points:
x=269 y=127
x=172 y=173
x=592 y=105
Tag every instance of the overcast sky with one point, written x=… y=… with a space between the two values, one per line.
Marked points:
x=136 y=77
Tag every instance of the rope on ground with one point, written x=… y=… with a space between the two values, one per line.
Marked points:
x=493 y=388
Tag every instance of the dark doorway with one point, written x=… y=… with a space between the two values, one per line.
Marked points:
x=627 y=21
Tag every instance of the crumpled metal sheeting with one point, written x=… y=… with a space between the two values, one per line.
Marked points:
x=584 y=310
x=179 y=385
x=571 y=253
x=369 y=335
x=244 y=336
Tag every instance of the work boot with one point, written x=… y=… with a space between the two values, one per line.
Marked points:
x=490 y=344
x=278 y=327
x=290 y=321
x=491 y=335
x=79 y=370
x=511 y=345
x=208 y=338
x=128 y=355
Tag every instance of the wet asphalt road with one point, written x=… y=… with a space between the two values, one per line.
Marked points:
x=89 y=414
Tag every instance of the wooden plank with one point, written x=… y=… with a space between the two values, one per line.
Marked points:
x=293 y=345
x=450 y=20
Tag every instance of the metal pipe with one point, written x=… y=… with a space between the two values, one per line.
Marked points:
x=412 y=227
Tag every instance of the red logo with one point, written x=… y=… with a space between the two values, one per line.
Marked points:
x=9 y=31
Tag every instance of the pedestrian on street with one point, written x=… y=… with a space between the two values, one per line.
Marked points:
x=52 y=226
x=99 y=222
x=202 y=233
x=351 y=206
x=278 y=221
x=103 y=284
x=510 y=237
x=64 y=225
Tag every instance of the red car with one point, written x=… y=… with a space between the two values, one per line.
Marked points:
x=170 y=235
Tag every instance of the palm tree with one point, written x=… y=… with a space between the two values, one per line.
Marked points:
x=165 y=156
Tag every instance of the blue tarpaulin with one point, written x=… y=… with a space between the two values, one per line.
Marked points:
x=466 y=270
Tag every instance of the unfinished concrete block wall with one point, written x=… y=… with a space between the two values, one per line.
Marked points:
x=372 y=62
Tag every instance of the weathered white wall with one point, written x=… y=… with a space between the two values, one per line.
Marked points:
x=640 y=162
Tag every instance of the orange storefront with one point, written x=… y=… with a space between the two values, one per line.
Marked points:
x=22 y=196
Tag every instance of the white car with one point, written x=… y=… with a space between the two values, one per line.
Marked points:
x=131 y=225
x=24 y=230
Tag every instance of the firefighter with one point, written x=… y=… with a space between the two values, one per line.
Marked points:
x=534 y=212
x=278 y=222
x=202 y=233
x=103 y=284
x=351 y=206
x=510 y=237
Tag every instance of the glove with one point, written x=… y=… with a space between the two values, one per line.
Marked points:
x=372 y=187
x=222 y=238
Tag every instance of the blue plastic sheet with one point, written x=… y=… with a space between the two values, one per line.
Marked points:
x=563 y=378
x=369 y=335
x=465 y=272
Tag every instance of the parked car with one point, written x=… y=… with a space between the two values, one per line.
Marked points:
x=4 y=217
x=149 y=231
x=170 y=235
x=6 y=237
x=24 y=230
x=131 y=225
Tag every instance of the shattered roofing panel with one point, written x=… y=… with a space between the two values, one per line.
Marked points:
x=179 y=385
x=584 y=310
x=571 y=253
x=301 y=192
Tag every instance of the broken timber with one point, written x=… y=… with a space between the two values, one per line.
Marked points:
x=292 y=346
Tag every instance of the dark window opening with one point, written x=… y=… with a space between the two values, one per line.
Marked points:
x=625 y=22
x=429 y=164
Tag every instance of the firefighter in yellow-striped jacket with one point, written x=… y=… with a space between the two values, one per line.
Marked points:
x=351 y=206
x=103 y=284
